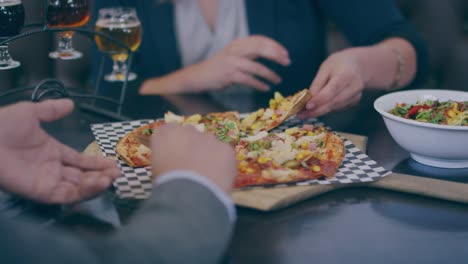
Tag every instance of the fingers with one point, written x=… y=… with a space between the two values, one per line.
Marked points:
x=257 y=69
x=72 y=158
x=76 y=176
x=334 y=97
x=78 y=185
x=260 y=47
x=52 y=110
x=250 y=81
x=321 y=79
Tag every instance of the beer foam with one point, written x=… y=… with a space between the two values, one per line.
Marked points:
x=112 y=24
x=10 y=3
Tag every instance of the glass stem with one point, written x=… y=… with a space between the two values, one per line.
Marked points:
x=65 y=43
x=5 y=58
x=120 y=68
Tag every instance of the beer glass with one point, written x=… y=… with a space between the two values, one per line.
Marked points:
x=123 y=25
x=11 y=23
x=67 y=14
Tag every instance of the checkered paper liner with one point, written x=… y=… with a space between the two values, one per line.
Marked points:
x=135 y=183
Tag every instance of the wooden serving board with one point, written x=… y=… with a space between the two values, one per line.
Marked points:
x=276 y=198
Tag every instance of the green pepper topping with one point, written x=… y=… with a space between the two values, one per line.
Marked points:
x=147 y=132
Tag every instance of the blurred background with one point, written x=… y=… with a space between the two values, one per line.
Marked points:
x=443 y=25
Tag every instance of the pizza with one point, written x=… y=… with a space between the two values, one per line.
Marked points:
x=281 y=108
x=129 y=148
x=224 y=125
x=296 y=154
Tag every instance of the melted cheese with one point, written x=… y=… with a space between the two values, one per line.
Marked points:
x=280 y=175
x=287 y=138
x=308 y=139
x=281 y=152
x=256 y=137
x=268 y=114
x=142 y=149
x=170 y=117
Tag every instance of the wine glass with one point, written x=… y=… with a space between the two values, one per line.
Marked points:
x=11 y=23
x=67 y=14
x=122 y=24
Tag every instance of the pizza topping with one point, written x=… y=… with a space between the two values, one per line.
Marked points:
x=227 y=131
x=279 y=175
x=267 y=114
x=256 y=137
x=147 y=132
x=280 y=108
x=194 y=119
x=292 y=164
x=142 y=149
x=316 y=168
x=170 y=117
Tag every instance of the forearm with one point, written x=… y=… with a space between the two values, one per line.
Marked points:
x=380 y=67
x=180 y=81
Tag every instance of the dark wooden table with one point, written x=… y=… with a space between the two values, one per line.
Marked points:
x=347 y=226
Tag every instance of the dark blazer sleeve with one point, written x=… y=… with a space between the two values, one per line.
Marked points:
x=183 y=222
x=366 y=22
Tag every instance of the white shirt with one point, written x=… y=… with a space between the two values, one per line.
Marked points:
x=189 y=175
x=197 y=42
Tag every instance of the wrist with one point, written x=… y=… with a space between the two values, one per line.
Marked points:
x=174 y=83
x=359 y=58
x=376 y=66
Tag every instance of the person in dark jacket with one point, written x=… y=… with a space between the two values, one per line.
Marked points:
x=240 y=51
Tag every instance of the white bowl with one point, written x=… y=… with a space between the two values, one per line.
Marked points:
x=435 y=145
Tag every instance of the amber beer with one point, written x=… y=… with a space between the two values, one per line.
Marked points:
x=128 y=34
x=11 y=18
x=66 y=13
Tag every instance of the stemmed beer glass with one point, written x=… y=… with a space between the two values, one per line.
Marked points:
x=11 y=23
x=67 y=14
x=121 y=24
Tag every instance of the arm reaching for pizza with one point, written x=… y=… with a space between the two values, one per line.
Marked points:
x=36 y=166
x=235 y=64
x=342 y=77
x=184 y=148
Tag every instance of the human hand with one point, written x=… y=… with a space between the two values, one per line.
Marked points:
x=338 y=85
x=36 y=166
x=184 y=148
x=235 y=64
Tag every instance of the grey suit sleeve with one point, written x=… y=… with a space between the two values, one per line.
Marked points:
x=183 y=222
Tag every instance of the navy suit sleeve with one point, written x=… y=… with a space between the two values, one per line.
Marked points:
x=183 y=222
x=366 y=22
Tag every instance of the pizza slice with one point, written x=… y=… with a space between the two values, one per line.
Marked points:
x=280 y=109
x=297 y=154
x=224 y=125
x=130 y=149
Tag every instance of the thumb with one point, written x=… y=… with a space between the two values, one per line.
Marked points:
x=52 y=110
